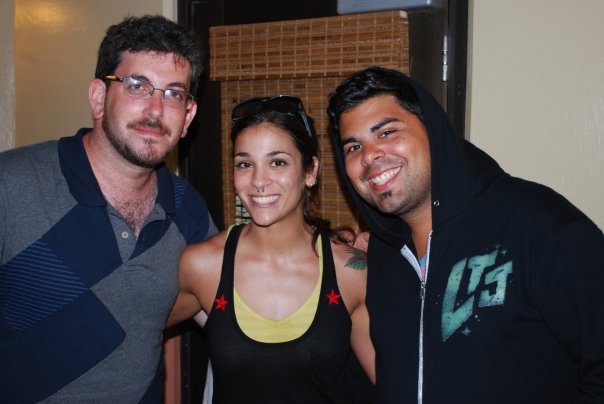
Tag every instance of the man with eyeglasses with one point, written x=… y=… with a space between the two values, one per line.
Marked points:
x=91 y=228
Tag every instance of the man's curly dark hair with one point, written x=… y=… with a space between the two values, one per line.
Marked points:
x=149 y=33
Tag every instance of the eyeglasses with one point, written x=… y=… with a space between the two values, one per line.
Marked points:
x=143 y=89
x=287 y=104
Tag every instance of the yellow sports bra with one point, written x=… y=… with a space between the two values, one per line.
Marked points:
x=263 y=329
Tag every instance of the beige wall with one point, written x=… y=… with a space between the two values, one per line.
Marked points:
x=536 y=93
x=7 y=76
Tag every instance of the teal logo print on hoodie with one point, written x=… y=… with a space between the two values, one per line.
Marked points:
x=486 y=285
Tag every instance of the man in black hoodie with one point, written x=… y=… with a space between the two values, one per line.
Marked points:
x=482 y=287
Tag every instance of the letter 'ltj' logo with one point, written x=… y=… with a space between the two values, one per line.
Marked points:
x=486 y=286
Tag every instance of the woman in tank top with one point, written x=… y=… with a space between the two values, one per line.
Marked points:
x=284 y=293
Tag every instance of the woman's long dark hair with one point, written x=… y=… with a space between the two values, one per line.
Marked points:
x=307 y=144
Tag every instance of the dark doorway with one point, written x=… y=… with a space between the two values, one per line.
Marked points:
x=438 y=49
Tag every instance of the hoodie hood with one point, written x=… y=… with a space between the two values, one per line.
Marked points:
x=460 y=173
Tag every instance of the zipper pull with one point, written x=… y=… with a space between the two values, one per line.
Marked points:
x=422 y=290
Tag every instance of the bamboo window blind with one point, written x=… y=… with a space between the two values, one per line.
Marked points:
x=307 y=58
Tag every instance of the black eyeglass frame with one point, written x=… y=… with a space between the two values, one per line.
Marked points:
x=189 y=97
x=284 y=103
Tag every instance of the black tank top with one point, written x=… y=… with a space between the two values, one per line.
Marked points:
x=308 y=370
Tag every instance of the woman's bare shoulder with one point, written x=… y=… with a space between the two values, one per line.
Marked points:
x=200 y=268
x=348 y=257
x=204 y=254
x=351 y=274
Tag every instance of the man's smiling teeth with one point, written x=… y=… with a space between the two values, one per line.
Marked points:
x=263 y=200
x=384 y=177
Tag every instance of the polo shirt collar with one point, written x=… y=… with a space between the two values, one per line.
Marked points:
x=83 y=184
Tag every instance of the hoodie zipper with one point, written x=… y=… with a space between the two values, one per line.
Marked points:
x=412 y=259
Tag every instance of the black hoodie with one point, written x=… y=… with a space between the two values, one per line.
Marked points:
x=513 y=306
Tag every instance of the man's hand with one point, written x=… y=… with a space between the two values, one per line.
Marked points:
x=361 y=241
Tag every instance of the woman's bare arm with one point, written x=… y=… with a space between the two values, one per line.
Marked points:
x=199 y=271
x=351 y=271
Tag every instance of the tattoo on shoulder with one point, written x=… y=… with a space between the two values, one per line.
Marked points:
x=357 y=260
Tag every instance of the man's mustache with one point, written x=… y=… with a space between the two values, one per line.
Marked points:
x=151 y=124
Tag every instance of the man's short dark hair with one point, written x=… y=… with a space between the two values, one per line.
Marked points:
x=369 y=83
x=149 y=33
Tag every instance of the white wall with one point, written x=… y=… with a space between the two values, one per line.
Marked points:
x=536 y=93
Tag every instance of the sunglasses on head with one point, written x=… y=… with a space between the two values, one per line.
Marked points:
x=287 y=104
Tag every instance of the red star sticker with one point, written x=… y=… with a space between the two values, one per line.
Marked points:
x=221 y=303
x=333 y=297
